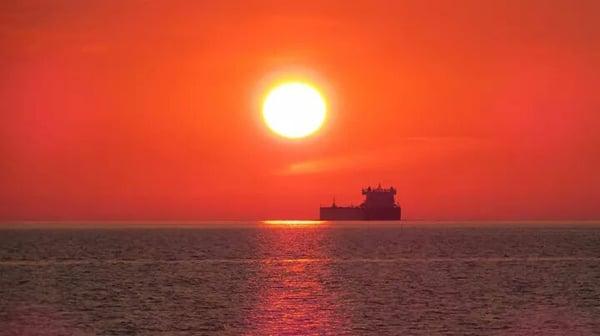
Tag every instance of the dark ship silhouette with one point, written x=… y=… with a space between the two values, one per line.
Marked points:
x=379 y=204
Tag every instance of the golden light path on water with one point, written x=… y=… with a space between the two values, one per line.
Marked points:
x=294 y=223
x=294 y=297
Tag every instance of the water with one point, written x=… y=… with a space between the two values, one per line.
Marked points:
x=285 y=279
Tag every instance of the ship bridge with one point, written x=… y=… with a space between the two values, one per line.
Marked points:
x=379 y=197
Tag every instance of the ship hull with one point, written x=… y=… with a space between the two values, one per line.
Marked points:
x=357 y=213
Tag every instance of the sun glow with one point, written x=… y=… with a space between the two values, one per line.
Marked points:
x=294 y=110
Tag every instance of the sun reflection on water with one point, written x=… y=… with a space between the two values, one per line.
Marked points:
x=293 y=299
x=294 y=223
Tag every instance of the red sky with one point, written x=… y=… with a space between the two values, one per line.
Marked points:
x=150 y=109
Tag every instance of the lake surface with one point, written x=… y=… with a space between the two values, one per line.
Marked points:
x=283 y=278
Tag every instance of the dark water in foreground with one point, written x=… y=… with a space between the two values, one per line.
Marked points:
x=328 y=279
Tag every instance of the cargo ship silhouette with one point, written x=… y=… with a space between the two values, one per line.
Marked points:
x=379 y=204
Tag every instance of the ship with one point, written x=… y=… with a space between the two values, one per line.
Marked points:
x=379 y=204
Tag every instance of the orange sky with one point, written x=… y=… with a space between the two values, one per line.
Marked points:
x=150 y=109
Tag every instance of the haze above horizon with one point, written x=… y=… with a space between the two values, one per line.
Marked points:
x=137 y=110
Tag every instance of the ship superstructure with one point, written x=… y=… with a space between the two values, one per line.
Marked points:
x=379 y=204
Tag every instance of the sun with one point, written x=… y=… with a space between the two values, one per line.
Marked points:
x=294 y=109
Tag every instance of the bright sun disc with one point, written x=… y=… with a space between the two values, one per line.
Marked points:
x=294 y=110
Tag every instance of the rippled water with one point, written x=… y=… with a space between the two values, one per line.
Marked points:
x=323 y=279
